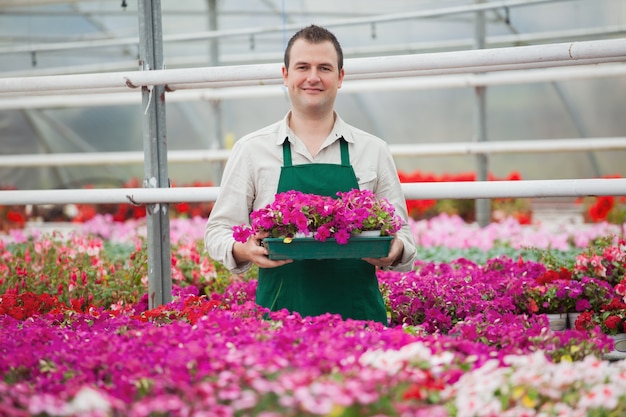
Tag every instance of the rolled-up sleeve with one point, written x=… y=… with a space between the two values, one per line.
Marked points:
x=231 y=208
x=389 y=187
x=249 y=181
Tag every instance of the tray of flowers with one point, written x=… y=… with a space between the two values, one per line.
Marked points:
x=310 y=226
x=309 y=248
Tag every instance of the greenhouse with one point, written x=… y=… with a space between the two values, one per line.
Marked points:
x=503 y=120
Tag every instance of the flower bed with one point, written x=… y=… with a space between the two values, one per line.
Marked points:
x=77 y=338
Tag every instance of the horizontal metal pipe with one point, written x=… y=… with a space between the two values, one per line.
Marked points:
x=428 y=149
x=412 y=191
x=387 y=49
x=108 y=97
x=515 y=189
x=555 y=54
x=110 y=196
x=107 y=158
x=508 y=147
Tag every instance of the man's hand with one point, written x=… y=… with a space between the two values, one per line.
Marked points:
x=253 y=251
x=395 y=254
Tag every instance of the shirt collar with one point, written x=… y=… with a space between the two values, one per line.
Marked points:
x=340 y=129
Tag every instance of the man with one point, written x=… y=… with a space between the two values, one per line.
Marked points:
x=314 y=151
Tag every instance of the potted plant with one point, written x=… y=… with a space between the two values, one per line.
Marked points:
x=604 y=259
x=553 y=293
x=359 y=211
x=294 y=213
x=611 y=320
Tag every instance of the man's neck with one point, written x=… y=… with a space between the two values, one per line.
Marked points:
x=312 y=130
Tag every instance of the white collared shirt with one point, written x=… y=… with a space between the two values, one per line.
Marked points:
x=251 y=174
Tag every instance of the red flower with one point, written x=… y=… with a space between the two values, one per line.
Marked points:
x=182 y=208
x=565 y=274
x=612 y=322
x=85 y=212
x=523 y=218
x=614 y=305
x=600 y=210
x=532 y=306
x=28 y=304
x=584 y=321
x=421 y=391
x=547 y=277
x=139 y=212
x=514 y=176
x=15 y=217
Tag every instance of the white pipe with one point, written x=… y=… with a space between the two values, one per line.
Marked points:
x=412 y=191
x=413 y=47
x=81 y=98
x=428 y=149
x=107 y=158
x=556 y=53
x=467 y=71
x=31 y=3
x=110 y=196
x=258 y=74
x=515 y=189
x=506 y=147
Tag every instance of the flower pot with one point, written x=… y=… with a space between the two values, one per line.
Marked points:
x=571 y=319
x=619 y=342
x=309 y=248
x=558 y=321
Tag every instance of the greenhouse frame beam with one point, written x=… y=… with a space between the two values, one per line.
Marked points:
x=399 y=151
x=412 y=191
x=117 y=96
x=207 y=35
x=482 y=207
x=577 y=53
x=414 y=47
x=155 y=155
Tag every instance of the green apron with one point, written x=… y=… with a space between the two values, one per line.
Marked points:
x=313 y=287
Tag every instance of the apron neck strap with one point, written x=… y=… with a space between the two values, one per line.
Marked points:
x=287 y=153
x=345 y=156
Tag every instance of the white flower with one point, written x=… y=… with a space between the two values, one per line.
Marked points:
x=392 y=361
x=600 y=396
x=87 y=400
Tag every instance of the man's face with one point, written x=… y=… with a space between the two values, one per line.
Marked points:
x=313 y=76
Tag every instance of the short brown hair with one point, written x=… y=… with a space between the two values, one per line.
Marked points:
x=315 y=34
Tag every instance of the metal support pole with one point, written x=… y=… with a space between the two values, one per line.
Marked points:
x=155 y=155
x=482 y=206
x=216 y=103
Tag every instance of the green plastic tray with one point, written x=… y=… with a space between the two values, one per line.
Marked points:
x=309 y=248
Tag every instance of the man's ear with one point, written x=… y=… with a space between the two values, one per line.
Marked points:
x=284 y=70
x=341 y=74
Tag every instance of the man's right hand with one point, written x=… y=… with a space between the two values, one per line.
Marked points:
x=253 y=251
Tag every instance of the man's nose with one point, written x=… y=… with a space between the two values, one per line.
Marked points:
x=313 y=75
